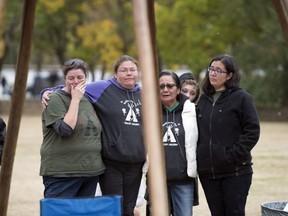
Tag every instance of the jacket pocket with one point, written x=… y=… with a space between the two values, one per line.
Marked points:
x=219 y=159
x=177 y=172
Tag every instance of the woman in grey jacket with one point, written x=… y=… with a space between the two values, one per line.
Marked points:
x=228 y=130
x=71 y=160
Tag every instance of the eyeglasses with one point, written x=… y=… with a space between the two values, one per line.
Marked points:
x=218 y=71
x=169 y=86
x=126 y=70
x=74 y=62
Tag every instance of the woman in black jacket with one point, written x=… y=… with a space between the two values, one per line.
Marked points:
x=229 y=128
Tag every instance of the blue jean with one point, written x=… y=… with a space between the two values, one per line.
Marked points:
x=181 y=197
x=69 y=187
x=227 y=196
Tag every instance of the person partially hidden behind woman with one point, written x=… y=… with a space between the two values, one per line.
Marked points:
x=229 y=128
x=189 y=86
x=70 y=153
x=2 y=137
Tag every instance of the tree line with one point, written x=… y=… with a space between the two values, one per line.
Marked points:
x=188 y=32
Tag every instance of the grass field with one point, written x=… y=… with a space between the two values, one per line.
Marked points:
x=270 y=182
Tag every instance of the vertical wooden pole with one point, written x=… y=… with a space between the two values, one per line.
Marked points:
x=152 y=28
x=145 y=37
x=17 y=102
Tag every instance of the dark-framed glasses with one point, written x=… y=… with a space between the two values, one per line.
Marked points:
x=218 y=71
x=168 y=85
x=74 y=62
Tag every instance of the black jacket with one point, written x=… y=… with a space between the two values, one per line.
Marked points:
x=174 y=144
x=228 y=130
x=2 y=136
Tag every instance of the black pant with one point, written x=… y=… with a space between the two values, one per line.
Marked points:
x=124 y=180
x=227 y=196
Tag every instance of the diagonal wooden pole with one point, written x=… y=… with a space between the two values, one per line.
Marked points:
x=145 y=37
x=17 y=102
x=281 y=7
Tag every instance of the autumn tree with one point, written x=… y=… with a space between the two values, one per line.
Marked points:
x=191 y=32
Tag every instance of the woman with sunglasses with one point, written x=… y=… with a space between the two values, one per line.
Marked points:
x=71 y=160
x=117 y=102
x=229 y=128
x=180 y=136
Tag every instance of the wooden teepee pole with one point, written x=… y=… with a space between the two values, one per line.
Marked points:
x=281 y=7
x=3 y=4
x=17 y=103
x=145 y=36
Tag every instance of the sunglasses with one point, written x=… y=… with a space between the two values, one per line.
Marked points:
x=169 y=86
x=74 y=62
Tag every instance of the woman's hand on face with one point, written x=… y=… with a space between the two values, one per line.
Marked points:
x=78 y=92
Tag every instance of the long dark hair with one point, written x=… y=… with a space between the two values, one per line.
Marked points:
x=231 y=67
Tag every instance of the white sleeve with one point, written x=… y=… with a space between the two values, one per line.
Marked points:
x=191 y=136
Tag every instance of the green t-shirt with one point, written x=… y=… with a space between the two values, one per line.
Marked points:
x=79 y=153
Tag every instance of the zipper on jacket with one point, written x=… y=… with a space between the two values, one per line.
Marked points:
x=210 y=141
